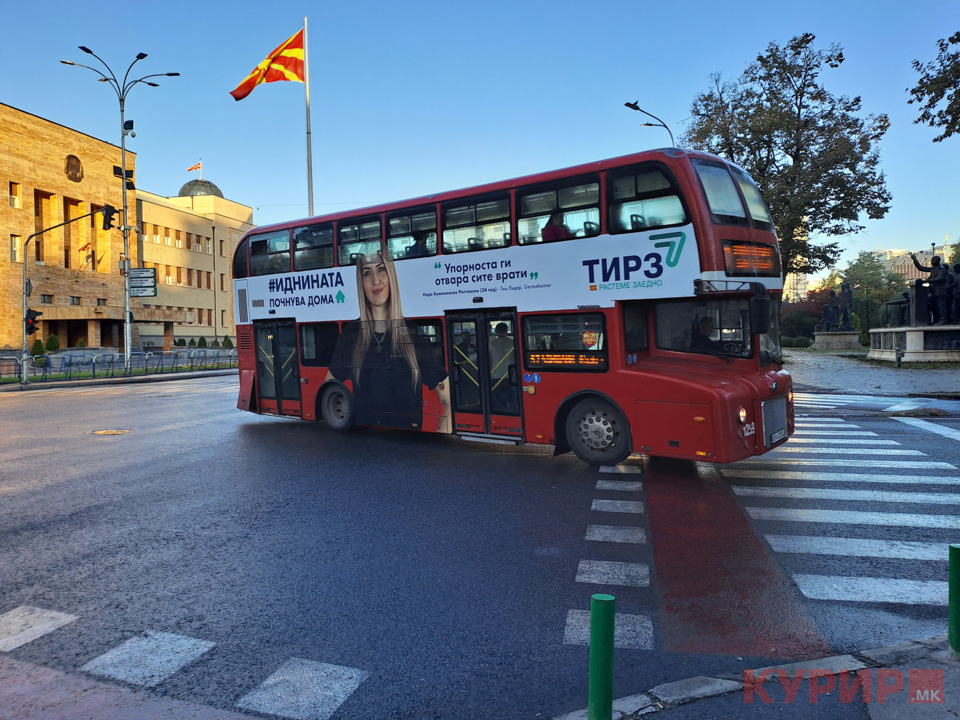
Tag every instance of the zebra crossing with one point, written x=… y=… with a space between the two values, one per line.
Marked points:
x=631 y=630
x=299 y=689
x=814 y=401
x=802 y=485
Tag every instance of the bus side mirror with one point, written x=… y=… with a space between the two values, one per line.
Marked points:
x=760 y=314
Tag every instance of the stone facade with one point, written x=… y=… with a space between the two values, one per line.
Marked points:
x=50 y=174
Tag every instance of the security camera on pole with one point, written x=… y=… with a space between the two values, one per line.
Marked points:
x=126 y=128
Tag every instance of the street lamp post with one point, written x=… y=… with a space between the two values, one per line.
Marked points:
x=122 y=89
x=658 y=123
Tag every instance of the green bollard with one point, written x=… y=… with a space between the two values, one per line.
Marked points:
x=953 y=603
x=600 y=694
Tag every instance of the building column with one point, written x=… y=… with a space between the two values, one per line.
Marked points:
x=93 y=333
x=167 y=336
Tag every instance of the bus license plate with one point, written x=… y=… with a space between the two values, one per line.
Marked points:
x=778 y=435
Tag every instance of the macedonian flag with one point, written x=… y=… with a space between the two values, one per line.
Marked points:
x=284 y=63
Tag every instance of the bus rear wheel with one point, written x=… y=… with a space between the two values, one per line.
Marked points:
x=597 y=432
x=336 y=408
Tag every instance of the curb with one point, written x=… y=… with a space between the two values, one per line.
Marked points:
x=682 y=692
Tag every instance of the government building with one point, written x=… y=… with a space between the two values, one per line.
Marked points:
x=51 y=174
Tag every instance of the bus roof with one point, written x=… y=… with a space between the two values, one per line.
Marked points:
x=500 y=185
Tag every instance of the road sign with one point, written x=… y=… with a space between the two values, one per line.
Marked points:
x=143 y=291
x=143 y=273
x=142 y=282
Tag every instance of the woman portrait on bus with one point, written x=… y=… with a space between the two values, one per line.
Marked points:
x=378 y=354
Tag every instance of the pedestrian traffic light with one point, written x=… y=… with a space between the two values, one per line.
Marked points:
x=32 y=316
x=109 y=213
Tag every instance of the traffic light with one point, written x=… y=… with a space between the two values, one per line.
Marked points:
x=109 y=213
x=32 y=316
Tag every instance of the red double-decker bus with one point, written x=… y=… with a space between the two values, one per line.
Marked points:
x=628 y=305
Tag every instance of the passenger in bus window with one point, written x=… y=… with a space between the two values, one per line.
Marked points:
x=419 y=247
x=379 y=354
x=555 y=229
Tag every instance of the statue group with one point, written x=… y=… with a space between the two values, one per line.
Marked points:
x=837 y=313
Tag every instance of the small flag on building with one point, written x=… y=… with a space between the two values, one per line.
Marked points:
x=198 y=166
x=284 y=63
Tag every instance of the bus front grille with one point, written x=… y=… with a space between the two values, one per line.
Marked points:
x=774 y=420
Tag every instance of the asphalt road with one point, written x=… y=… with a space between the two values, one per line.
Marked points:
x=419 y=576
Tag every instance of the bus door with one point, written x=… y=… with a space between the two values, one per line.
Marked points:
x=278 y=368
x=485 y=372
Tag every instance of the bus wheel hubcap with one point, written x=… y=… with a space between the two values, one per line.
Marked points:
x=596 y=431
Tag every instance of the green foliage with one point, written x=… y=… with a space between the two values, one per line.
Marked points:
x=215 y=343
x=180 y=342
x=227 y=343
x=872 y=286
x=52 y=344
x=202 y=342
x=955 y=255
x=81 y=343
x=192 y=343
x=787 y=341
x=801 y=342
x=37 y=348
x=815 y=159
x=939 y=84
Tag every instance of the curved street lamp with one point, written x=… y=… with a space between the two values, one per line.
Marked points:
x=658 y=123
x=122 y=89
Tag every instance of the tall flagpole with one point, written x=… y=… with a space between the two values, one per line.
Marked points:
x=306 y=81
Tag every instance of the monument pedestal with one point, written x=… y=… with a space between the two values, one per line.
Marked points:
x=925 y=343
x=837 y=340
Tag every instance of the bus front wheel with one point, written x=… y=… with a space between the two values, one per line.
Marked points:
x=597 y=432
x=336 y=408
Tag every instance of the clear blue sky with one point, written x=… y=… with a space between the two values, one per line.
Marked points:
x=425 y=96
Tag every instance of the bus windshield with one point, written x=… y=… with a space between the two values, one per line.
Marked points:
x=710 y=327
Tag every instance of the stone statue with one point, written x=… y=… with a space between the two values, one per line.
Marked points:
x=846 y=305
x=939 y=277
x=834 y=314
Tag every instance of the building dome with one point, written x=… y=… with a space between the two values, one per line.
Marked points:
x=199 y=187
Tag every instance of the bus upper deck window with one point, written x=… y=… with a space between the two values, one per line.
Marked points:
x=560 y=211
x=476 y=225
x=270 y=253
x=412 y=234
x=356 y=238
x=643 y=197
x=313 y=247
x=721 y=192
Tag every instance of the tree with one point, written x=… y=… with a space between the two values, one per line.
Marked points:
x=53 y=343
x=227 y=342
x=872 y=286
x=816 y=161
x=939 y=83
x=202 y=342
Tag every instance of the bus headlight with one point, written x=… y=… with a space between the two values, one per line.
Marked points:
x=790 y=397
x=743 y=415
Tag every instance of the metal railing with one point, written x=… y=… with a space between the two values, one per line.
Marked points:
x=73 y=366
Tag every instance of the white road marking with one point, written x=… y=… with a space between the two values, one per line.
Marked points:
x=304 y=690
x=620 y=485
x=845 y=451
x=871 y=589
x=150 y=659
x=886 y=496
x=819 y=420
x=606 y=572
x=622 y=469
x=630 y=632
x=25 y=624
x=621 y=506
x=838 y=477
x=930 y=427
x=616 y=533
x=885 y=464
x=841 y=441
x=830 y=433
x=905 y=406
x=858 y=547
x=853 y=517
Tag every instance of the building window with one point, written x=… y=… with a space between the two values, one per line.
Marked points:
x=223 y=282
x=223 y=252
x=46 y=299
x=209 y=281
x=15 y=195
x=74 y=300
x=223 y=318
x=209 y=247
x=16 y=248
x=101 y=302
x=179 y=239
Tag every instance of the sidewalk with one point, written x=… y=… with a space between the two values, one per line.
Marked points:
x=913 y=680
x=133 y=379
x=822 y=372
